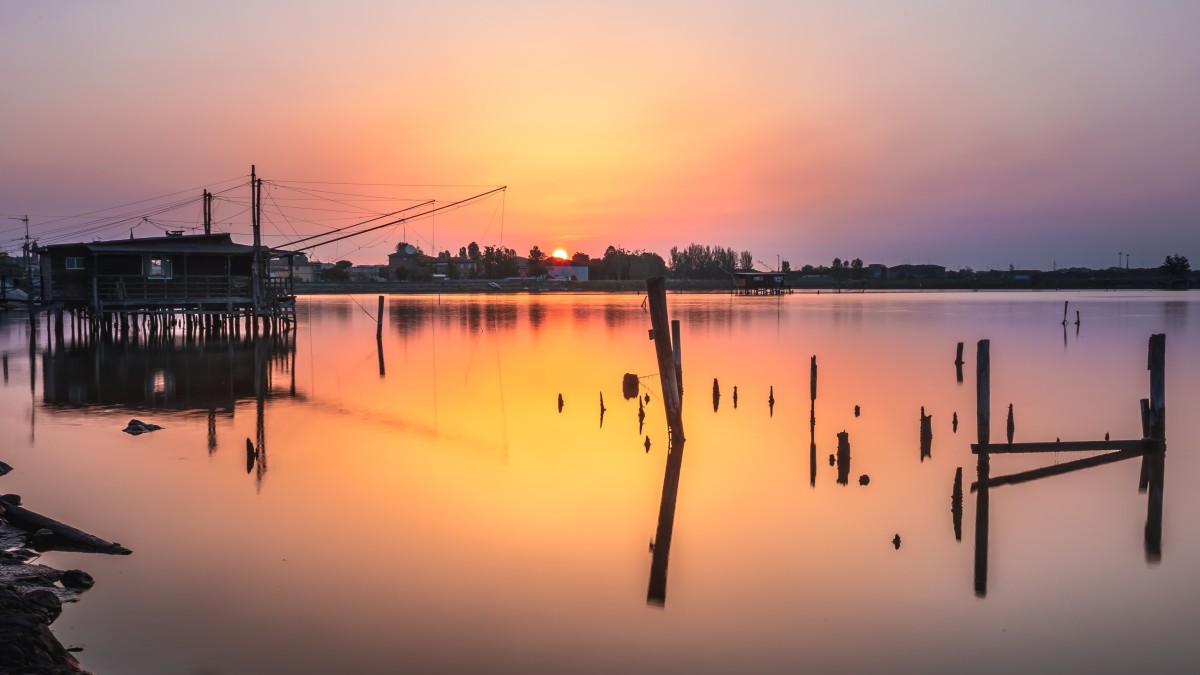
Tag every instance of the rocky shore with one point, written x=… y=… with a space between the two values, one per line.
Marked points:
x=31 y=594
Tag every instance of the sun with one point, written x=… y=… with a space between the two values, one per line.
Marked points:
x=560 y=253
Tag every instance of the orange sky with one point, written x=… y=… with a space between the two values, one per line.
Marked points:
x=1027 y=133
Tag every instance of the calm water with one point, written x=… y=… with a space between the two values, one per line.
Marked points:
x=442 y=515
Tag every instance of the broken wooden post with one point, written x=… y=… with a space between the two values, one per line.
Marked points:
x=843 y=458
x=956 y=504
x=716 y=394
x=1010 y=427
x=1065 y=303
x=926 y=435
x=656 y=292
x=958 y=355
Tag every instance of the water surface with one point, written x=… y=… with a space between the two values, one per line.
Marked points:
x=437 y=512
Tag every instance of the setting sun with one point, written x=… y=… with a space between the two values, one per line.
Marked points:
x=559 y=253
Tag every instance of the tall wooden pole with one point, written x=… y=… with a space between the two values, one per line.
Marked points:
x=656 y=293
x=983 y=376
x=254 y=289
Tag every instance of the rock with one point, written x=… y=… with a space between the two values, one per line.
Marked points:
x=26 y=644
x=42 y=540
x=864 y=479
x=77 y=579
x=11 y=498
x=136 y=427
x=4 y=468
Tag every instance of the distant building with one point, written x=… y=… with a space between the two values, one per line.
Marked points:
x=368 y=272
x=166 y=273
x=566 y=270
x=298 y=268
x=752 y=282
x=455 y=268
x=916 y=272
x=410 y=264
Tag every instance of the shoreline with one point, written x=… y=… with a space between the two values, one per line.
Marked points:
x=534 y=287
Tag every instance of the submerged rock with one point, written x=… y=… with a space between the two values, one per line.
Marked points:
x=136 y=427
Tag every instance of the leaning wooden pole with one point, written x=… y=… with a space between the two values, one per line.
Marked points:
x=656 y=293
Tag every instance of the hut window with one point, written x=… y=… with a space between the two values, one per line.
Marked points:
x=74 y=262
x=158 y=266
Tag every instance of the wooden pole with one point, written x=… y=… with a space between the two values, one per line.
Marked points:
x=983 y=379
x=1157 y=364
x=675 y=344
x=656 y=593
x=958 y=356
x=983 y=376
x=379 y=320
x=656 y=293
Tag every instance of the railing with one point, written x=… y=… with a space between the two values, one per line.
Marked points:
x=132 y=287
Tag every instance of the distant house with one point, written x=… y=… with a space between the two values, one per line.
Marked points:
x=164 y=273
x=455 y=268
x=409 y=264
x=753 y=282
x=566 y=270
x=297 y=267
x=368 y=272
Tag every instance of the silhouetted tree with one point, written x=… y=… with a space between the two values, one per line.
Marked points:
x=1176 y=266
x=746 y=260
x=536 y=267
x=339 y=272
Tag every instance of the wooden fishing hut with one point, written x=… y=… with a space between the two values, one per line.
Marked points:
x=759 y=283
x=207 y=280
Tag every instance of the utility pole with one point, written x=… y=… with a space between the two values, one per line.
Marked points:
x=26 y=249
x=254 y=271
x=207 y=212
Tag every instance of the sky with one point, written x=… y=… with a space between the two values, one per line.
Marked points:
x=1033 y=133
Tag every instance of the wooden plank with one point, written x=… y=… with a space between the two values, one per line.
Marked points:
x=1059 y=469
x=1139 y=445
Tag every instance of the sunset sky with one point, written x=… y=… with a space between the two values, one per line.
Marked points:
x=983 y=134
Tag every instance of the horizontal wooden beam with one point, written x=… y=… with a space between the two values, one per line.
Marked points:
x=1139 y=445
x=1058 y=469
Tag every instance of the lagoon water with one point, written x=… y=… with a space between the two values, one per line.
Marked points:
x=440 y=513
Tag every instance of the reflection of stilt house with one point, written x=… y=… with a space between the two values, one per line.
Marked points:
x=165 y=275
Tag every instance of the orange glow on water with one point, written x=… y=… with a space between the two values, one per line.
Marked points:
x=446 y=473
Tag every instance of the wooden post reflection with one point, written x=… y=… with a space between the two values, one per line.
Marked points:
x=657 y=593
